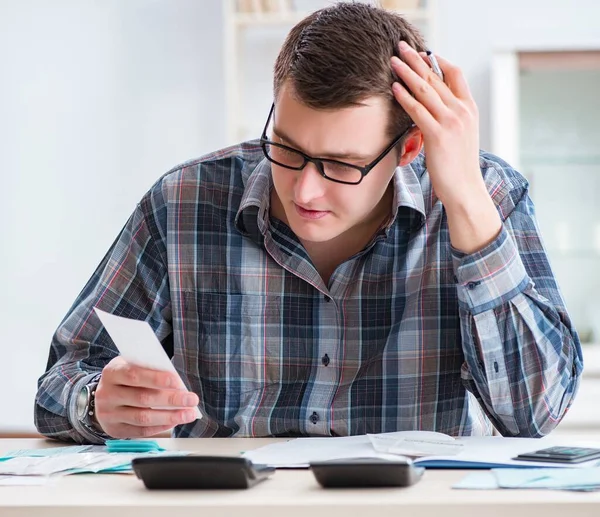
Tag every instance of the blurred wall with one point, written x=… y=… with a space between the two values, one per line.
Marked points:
x=97 y=100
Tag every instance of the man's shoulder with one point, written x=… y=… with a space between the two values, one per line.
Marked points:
x=224 y=168
x=506 y=185
x=216 y=180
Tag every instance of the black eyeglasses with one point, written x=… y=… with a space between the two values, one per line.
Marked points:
x=334 y=170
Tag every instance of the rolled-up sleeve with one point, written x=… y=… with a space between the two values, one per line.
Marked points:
x=523 y=358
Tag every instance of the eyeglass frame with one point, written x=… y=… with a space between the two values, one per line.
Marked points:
x=318 y=162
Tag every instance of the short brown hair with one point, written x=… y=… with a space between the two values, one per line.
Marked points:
x=340 y=55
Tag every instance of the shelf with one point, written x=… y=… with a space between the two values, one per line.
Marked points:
x=276 y=19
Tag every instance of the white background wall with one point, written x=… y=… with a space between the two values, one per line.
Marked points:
x=99 y=98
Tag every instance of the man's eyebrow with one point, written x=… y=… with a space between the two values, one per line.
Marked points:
x=335 y=156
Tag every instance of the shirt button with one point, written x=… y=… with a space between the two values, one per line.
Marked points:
x=314 y=418
x=472 y=285
x=325 y=360
x=327 y=299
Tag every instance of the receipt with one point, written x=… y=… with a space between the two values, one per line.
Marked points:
x=138 y=345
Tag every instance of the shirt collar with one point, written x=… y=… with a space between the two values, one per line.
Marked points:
x=409 y=192
x=252 y=218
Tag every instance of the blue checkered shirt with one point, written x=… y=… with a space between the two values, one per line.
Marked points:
x=410 y=334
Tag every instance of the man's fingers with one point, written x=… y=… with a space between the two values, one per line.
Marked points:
x=455 y=79
x=126 y=374
x=416 y=111
x=145 y=417
x=423 y=91
x=151 y=398
x=132 y=431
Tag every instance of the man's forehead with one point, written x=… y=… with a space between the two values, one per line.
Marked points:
x=288 y=96
x=354 y=131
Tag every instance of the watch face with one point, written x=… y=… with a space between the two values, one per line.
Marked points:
x=82 y=402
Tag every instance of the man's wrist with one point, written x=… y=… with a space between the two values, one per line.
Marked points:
x=91 y=418
x=82 y=410
x=473 y=221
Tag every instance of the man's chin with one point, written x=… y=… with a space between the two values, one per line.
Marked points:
x=312 y=233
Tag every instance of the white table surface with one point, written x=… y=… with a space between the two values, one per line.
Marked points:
x=288 y=493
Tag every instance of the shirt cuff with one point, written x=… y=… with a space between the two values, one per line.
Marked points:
x=490 y=277
x=88 y=434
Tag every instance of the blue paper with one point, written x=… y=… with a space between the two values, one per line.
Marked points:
x=584 y=479
x=578 y=478
x=133 y=446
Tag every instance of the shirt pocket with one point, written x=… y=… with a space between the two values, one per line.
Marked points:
x=232 y=342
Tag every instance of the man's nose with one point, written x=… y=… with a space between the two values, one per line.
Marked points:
x=310 y=184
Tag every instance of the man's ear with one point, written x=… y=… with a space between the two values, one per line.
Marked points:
x=411 y=147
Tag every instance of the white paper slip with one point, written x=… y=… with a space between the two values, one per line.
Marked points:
x=417 y=443
x=138 y=345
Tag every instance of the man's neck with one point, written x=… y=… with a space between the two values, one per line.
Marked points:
x=328 y=255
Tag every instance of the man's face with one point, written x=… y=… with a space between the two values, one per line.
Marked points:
x=315 y=208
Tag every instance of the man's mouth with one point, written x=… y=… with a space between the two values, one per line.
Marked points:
x=307 y=213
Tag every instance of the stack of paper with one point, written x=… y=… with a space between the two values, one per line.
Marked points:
x=428 y=449
x=53 y=451
x=583 y=479
x=65 y=464
x=70 y=460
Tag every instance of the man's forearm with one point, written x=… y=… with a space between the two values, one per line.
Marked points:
x=522 y=352
x=473 y=220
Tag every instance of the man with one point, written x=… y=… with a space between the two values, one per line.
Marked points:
x=331 y=278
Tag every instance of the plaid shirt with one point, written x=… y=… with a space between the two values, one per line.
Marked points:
x=409 y=334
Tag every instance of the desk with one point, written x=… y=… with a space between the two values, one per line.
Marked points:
x=289 y=493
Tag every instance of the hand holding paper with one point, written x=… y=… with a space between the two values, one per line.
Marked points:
x=140 y=392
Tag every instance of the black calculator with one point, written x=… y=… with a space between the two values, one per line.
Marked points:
x=561 y=455
x=366 y=472
x=199 y=472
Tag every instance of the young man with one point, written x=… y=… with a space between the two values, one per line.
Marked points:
x=331 y=278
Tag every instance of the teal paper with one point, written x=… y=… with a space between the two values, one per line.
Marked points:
x=133 y=446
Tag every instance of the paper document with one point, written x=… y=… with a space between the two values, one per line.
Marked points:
x=46 y=466
x=569 y=479
x=52 y=451
x=298 y=453
x=477 y=452
x=75 y=463
x=138 y=345
x=583 y=479
x=416 y=443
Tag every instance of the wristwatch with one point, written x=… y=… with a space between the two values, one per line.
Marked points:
x=86 y=407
